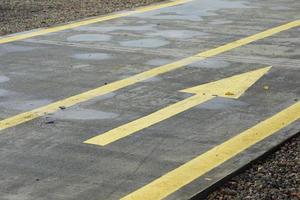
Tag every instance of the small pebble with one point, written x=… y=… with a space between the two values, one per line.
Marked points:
x=266 y=87
x=50 y=122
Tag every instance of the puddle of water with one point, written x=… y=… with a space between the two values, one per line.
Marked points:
x=105 y=29
x=92 y=56
x=99 y=98
x=221 y=104
x=141 y=22
x=82 y=66
x=153 y=79
x=220 y=22
x=158 y=62
x=145 y=43
x=280 y=8
x=194 y=10
x=10 y=48
x=83 y=114
x=3 y=79
x=179 y=34
x=89 y=38
x=4 y=93
x=210 y=63
x=24 y=105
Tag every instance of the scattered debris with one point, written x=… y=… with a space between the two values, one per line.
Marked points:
x=62 y=107
x=266 y=87
x=50 y=122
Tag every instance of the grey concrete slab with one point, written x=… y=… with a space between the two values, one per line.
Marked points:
x=46 y=159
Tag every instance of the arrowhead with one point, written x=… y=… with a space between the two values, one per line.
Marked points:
x=231 y=87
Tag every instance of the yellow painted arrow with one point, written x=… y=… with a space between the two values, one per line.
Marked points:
x=232 y=87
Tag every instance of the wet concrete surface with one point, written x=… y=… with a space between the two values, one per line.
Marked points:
x=46 y=158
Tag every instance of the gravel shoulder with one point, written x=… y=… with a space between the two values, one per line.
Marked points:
x=275 y=177
x=23 y=15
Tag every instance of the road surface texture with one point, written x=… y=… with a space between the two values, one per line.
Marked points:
x=159 y=102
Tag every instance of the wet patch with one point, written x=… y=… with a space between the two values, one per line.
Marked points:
x=210 y=63
x=220 y=22
x=153 y=79
x=4 y=93
x=99 y=98
x=105 y=29
x=3 y=79
x=89 y=38
x=81 y=66
x=83 y=114
x=11 y=48
x=186 y=11
x=145 y=43
x=179 y=34
x=279 y=8
x=158 y=62
x=221 y=104
x=24 y=105
x=92 y=56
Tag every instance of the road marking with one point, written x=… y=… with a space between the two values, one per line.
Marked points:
x=45 y=31
x=188 y=172
x=51 y=108
x=232 y=87
x=249 y=39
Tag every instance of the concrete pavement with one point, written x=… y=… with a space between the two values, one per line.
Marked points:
x=138 y=64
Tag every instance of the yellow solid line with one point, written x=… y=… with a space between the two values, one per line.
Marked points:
x=28 y=35
x=237 y=85
x=149 y=120
x=249 y=39
x=68 y=102
x=185 y=174
x=27 y=116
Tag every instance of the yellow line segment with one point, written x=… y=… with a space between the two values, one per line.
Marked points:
x=143 y=9
x=249 y=39
x=27 y=116
x=234 y=85
x=188 y=172
x=144 y=122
